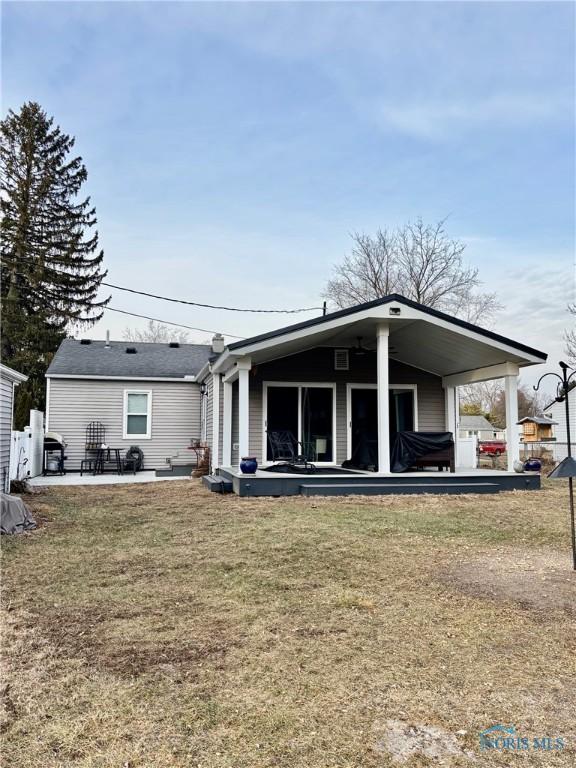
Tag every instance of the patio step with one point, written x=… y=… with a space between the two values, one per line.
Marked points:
x=217 y=484
x=181 y=470
x=377 y=489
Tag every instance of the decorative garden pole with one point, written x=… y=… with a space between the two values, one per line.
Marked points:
x=567 y=467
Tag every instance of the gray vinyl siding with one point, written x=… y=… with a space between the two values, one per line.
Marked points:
x=215 y=459
x=558 y=413
x=175 y=416
x=317 y=365
x=209 y=411
x=6 y=401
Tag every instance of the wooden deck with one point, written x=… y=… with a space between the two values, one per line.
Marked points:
x=369 y=483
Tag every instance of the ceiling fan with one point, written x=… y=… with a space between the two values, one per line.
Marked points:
x=359 y=350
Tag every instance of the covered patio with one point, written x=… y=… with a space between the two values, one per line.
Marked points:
x=377 y=369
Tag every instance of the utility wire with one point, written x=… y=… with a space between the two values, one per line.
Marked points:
x=144 y=317
x=213 y=306
x=183 y=301
x=167 y=322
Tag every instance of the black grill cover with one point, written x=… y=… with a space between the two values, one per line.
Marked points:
x=409 y=446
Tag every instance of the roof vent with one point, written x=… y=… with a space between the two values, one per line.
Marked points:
x=341 y=360
x=130 y=350
x=174 y=345
x=85 y=341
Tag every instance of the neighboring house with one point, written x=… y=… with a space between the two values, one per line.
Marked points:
x=144 y=394
x=480 y=427
x=9 y=380
x=557 y=413
x=536 y=429
x=360 y=374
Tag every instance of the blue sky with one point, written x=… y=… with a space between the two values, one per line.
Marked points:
x=232 y=147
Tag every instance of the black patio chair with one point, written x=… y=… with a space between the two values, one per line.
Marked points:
x=95 y=439
x=134 y=459
x=286 y=449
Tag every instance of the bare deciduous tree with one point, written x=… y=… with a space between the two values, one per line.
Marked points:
x=570 y=338
x=156 y=332
x=418 y=261
x=488 y=398
x=482 y=396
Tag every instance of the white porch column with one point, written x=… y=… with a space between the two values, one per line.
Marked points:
x=243 y=412
x=215 y=421
x=452 y=416
x=382 y=333
x=512 y=440
x=450 y=410
x=227 y=425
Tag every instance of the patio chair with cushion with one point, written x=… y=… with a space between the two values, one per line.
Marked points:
x=134 y=459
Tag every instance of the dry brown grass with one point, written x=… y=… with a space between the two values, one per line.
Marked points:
x=157 y=626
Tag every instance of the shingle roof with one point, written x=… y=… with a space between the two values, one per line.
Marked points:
x=475 y=422
x=152 y=360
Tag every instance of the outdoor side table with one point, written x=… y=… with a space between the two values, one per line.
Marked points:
x=108 y=456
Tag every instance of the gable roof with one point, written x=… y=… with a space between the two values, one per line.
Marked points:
x=151 y=360
x=393 y=297
x=476 y=422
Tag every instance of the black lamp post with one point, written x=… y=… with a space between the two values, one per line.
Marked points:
x=567 y=467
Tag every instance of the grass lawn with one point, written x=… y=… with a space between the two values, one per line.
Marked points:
x=162 y=626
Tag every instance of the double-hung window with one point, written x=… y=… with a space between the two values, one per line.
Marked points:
x=137 y=414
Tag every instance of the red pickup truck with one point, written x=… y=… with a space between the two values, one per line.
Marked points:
x=492 y=447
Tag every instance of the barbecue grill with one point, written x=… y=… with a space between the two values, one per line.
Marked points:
x=53 y=454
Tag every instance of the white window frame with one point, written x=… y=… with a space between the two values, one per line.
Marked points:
x=300 y=385
x=349 y=387
x=148 y=415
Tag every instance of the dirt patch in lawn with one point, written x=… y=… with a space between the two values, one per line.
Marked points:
x=118 y=640
x=402 y=741
x=535 y=581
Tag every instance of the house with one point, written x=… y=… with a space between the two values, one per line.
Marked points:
x=557 y=412
x=536 y=429
x=144 y=394
x=9 y=380
x=480 y=427
x=361 y=375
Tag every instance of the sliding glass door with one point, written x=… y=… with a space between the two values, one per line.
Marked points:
x=305 y=410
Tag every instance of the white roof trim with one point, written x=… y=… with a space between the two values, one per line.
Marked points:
x=12 y=375
x=371 y=313
x=183 y=379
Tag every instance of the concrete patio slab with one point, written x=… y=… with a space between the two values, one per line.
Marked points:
x=74 y=478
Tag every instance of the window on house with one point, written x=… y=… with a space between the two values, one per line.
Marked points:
x=137 y=414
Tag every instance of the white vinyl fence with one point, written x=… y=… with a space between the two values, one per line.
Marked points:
x=26 y=449
x=467 y=456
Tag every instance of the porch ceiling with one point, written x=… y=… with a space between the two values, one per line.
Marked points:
x=439 y=350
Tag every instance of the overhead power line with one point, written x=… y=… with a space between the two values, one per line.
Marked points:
x=214 y=306
x=168 y=322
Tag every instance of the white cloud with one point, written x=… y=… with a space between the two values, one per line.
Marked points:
x=436 y=119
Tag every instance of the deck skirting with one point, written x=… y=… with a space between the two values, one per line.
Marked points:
x=368 y=483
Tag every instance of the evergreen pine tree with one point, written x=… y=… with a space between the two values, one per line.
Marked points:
x=51 y=266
